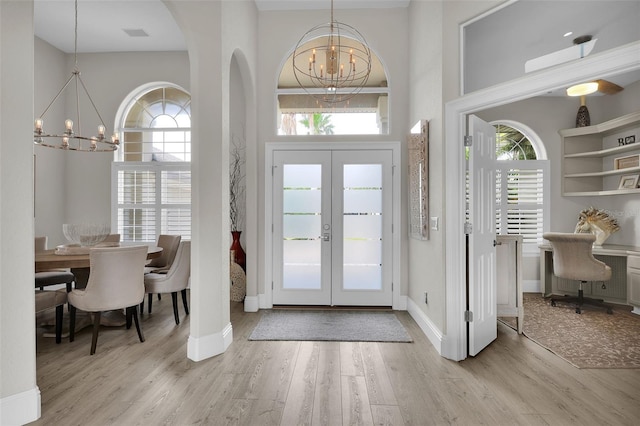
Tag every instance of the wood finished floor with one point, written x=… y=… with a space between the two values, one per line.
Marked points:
x=513 y=382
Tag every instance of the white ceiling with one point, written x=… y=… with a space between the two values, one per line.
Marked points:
x=102 y=24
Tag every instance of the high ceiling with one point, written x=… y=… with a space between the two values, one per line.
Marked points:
x=117 y=25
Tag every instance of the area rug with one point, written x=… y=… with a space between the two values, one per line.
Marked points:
x=592 y=339
x=343 y=326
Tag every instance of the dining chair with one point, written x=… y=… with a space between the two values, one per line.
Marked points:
x=47 y=299
x=51 y=276
x=573 y=260
x=169 y=245
x=174 y=280
x=112 y=238
x=116 y=281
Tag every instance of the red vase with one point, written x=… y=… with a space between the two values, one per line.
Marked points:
x=236 y=247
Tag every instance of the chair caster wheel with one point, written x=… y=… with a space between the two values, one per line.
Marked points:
x=578 y=311
x=553 y=303
x=610 y=311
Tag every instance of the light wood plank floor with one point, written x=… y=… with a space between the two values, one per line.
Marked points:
x=513 y=382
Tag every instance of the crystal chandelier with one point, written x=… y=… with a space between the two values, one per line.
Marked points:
x=332 y=62
x=72 y=139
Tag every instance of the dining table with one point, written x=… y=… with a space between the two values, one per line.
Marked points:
x=78 y=260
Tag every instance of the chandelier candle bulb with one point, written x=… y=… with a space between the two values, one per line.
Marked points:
x=39 y=126
x=68 y=124
x=65 y=142
x=101 y=130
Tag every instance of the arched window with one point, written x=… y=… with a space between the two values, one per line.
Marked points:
x=522 y=183
x=152 y=174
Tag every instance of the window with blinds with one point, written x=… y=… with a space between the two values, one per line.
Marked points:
x=522 y=187
x=152 y=180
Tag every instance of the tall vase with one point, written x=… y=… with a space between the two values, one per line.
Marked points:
x=239 y=254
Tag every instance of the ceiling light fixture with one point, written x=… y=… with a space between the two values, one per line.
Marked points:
x=332 y=61
x=583 y=89
x=72 y=139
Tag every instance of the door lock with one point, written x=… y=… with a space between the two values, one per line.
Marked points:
x=326 y=236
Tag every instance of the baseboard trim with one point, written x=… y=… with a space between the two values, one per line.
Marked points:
x=428 y=328
x=200 y=348
x=251 y=304
x=531 y=286
x=21 y=408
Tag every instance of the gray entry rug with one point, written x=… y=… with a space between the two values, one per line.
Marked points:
x=343 y=326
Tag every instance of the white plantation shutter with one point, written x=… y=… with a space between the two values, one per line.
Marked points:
x=153 y=199
x=521 y=197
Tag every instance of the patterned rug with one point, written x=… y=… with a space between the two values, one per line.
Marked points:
x=592 y=339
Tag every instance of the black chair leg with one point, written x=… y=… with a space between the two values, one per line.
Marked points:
x=59 y=312
x=159 y=296
x=134 y=311
x=184 y=301
x=150 y=301
x=142 y=307
x=174 y=299
x=96 y=328
x=72 y=322
x=128 y=316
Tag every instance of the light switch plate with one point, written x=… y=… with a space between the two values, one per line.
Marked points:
x=435 y=223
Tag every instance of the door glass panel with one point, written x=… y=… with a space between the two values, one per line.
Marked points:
x=302 y=226
x=362 y=225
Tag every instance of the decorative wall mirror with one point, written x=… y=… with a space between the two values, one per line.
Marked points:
x=418 y=143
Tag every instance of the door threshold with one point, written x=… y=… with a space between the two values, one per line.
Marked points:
x=332 y=308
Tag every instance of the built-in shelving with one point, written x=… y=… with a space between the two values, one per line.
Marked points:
x=589 y=155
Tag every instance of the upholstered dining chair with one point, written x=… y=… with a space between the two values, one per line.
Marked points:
x=47 y=299
x=112 y=238
x=169 y=244
x=53 y=276
x=175 y=280
x=573 y=260
x=116 y=281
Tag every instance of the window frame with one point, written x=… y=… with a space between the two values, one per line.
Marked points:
x=540 y=163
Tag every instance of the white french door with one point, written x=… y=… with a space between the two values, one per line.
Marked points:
x=332 y=228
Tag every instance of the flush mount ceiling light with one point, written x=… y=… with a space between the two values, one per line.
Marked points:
x=332 y=62
x=72 y=139
x=583 y=89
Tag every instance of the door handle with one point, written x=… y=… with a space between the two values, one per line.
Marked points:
x=495 y=243
x=326 y=236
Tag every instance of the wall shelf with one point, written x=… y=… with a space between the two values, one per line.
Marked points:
x=589 y=154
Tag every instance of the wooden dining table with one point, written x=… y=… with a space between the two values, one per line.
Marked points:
x=48 y=259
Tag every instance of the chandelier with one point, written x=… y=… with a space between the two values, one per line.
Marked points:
x=72 y=139
x=332 y=62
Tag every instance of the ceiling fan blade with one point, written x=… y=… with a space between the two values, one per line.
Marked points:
x=608 y=88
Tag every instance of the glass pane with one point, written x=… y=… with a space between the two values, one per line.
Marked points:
x=176 y=222
x=176 y=187
x=137 y=224
x=302 y=226
x=362 y=227
x=301 y=264
x=362 y=277
x=136 y=187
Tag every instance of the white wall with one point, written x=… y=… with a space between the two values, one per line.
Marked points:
x=19 y=395
x=434 y=79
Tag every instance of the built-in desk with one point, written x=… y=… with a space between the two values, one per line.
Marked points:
x=623 y=288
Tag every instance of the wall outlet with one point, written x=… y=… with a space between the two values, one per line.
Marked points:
x=426 y=298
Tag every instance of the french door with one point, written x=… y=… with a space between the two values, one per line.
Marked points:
x=332 y=228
